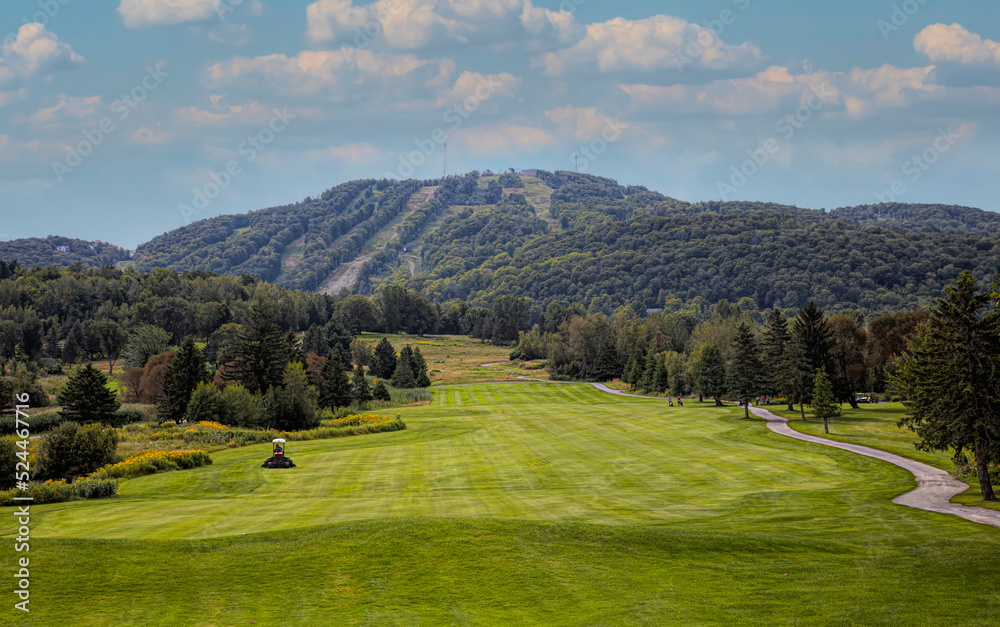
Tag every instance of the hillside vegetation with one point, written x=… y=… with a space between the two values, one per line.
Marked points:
x=569 y=237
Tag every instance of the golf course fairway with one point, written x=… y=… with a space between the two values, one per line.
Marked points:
x=518 y=503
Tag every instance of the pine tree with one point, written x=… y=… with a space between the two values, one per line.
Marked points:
x=86 y=397
x=419 y=367
x=824 y=405
x=628 y=374
x=186 y=371
x=361 y=390
x=711 y=373
x=336 y=386
x=384 y=360
x=261 y=351
x=812 y=341
x=403 y=377
x=606 y=363
x=380 y=392
x=73 y=347
x=948 y=377
x=648 y=373
x=745 y=367
x=52 y=348
x=661 y=380
x=777 y=358
x=315 y=341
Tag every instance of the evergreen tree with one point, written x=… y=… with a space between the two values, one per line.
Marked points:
x=294 y=348
x=336 y=385
x=86 y=397
x=361 y=390
x=948 y=377
x=779 y=375
x=261 y=351
x=648 y=373
x=384 y=360
x=52 y=348
x=813 y=340
x=403 y=377
x=73 y=348
x=315 y=341
x=606 y=363
x=380 y=392
x=661 y=380
x=629 y=374
x=419 y=367
x=824 y=405
x=711 y=373
x=186 y=371
x=745 y=368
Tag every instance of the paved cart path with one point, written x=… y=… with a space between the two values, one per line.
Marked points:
x=935 y=487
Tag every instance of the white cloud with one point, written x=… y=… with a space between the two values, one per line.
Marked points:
x=857 y=92
x=358 y=153
x=415 y=24
x=341 y=74
x=145 y=135
x=139 y=13
x=579 y=122
x=957 y=45
x=480 y=87
x=221 y=115
x=34 y=51
x=656 y=43
x=68 y=107
x=504 y=138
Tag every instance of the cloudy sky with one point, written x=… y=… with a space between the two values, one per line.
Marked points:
x=121 y=119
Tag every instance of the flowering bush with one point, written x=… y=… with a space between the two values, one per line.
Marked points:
x=356 y=420
x=150 y=462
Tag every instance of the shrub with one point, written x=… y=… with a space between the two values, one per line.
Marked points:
x=205 y=403
x=74 y=451
x=59 y=491
x=8 y=461
x=238 y=407
x=150 y=462
x=38 y=422
x=124 y=417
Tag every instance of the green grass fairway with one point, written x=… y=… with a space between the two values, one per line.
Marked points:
x=519 y=503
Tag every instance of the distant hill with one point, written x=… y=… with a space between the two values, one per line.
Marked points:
x=570 y=237
x=61 y=252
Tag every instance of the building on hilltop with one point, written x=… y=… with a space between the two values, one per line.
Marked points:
x=64 y=249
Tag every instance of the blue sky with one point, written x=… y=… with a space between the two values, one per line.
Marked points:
x=192 y=108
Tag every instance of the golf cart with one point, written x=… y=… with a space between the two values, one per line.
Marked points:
x=277 y=458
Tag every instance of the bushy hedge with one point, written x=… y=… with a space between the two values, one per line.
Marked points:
x=60 y=491
x=151 y=462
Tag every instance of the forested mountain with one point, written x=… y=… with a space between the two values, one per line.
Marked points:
x=61 y=252
x=593 y=242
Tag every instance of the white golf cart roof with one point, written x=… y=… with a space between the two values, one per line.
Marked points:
x=277 y=441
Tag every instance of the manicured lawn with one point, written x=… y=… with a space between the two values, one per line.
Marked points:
x=519 y=503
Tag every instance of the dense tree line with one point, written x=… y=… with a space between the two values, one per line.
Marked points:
x=737 y=352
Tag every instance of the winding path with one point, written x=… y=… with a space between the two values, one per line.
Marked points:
x=935 y=487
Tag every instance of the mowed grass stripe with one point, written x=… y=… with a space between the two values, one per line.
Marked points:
x=547 y=452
